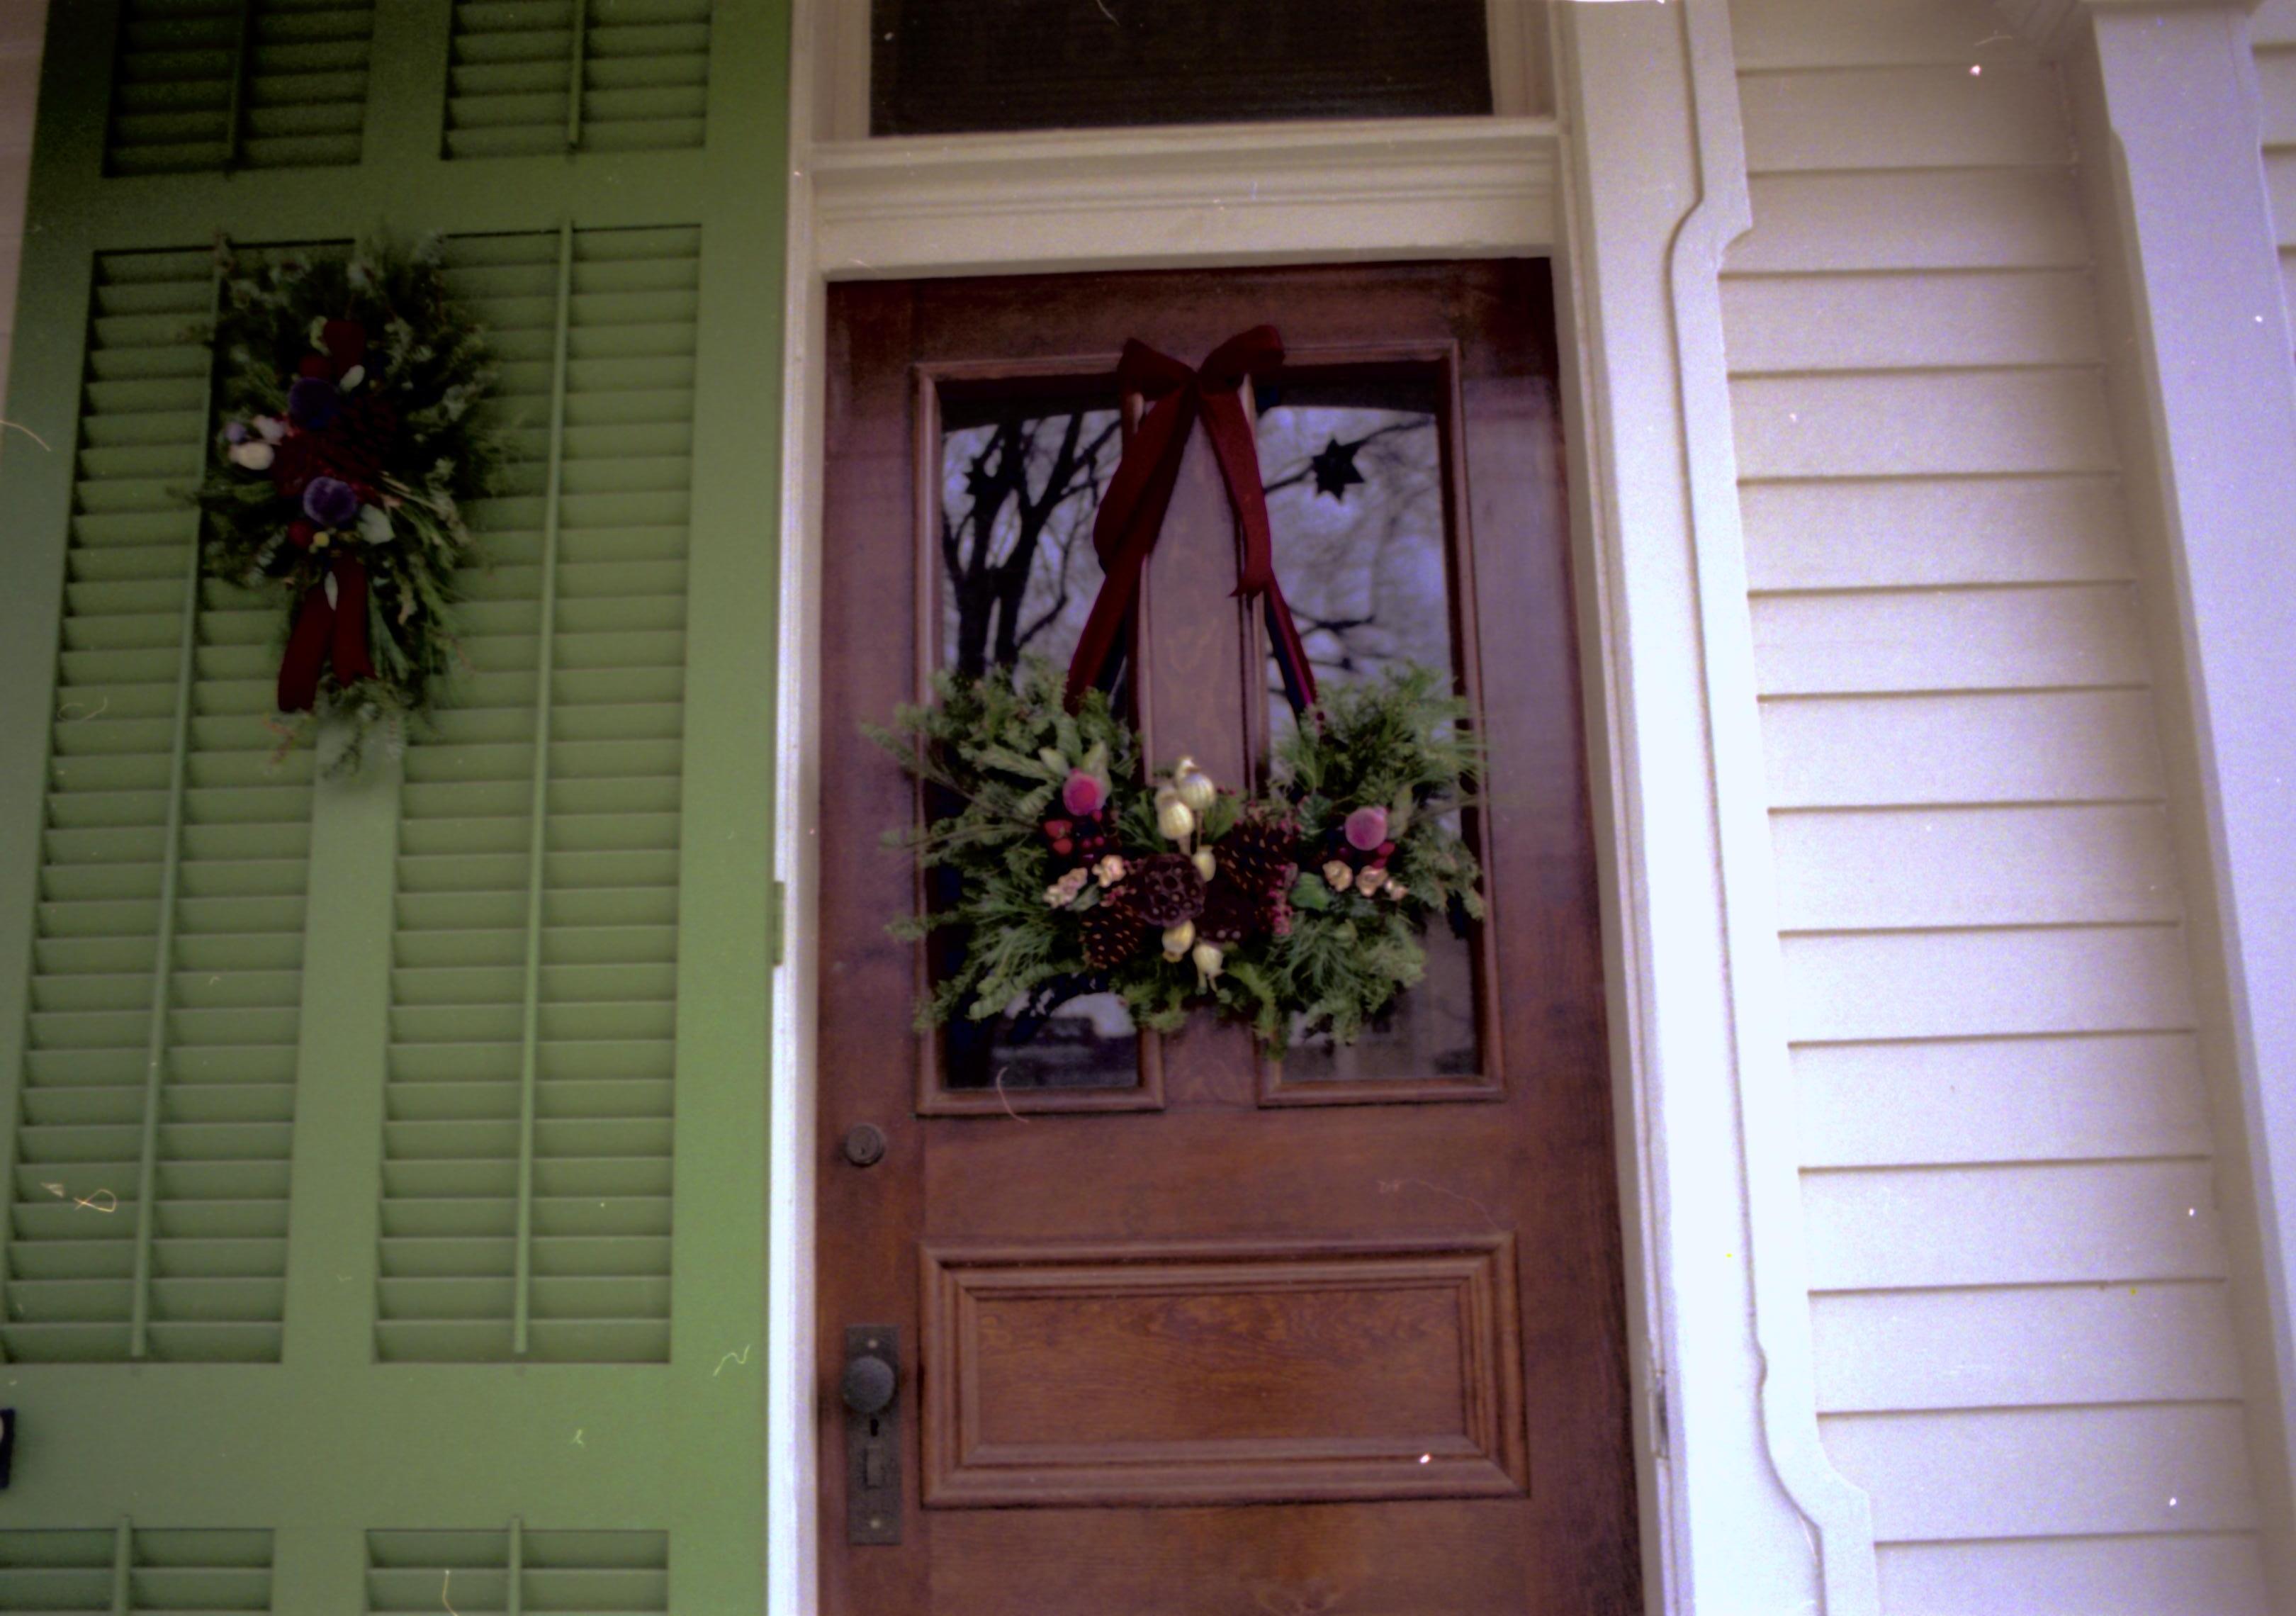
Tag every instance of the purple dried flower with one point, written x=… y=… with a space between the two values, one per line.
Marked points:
x=330 y=501
x=235 y=432
x=312 y=402
x=1366 y=828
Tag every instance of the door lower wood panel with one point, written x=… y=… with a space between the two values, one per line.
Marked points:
x=1231 y=1374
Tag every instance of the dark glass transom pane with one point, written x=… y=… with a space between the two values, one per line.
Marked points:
x=941 y=67
x=1019 y=482
x=1354 y=475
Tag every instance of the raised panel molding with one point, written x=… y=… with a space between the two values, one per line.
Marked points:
x=1221 y=1375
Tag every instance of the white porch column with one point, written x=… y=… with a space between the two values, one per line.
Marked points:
x=1744 y=1512
x=2165 y=102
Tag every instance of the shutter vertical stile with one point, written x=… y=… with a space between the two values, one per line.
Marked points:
x=519 y=1570
x=123 y=1560
x=149 y=1174
x=531 y=77
x=527 y=1151
x=171 y=857
x=131 y=1570
x=209 y=85
x=537 y=836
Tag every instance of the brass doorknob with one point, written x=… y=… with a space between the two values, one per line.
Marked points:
x=869 y=1384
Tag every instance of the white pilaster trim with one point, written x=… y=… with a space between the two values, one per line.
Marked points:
x=1838 y=1511
x=2165 y=97
x=2054 y=24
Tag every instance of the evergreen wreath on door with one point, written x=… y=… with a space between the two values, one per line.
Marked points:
x=1079 y=870
x=348 y=441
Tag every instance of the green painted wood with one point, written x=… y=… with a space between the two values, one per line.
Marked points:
x=630 y=1480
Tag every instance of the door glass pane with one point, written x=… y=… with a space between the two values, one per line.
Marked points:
x=1355 y=494
x=1019 y=482
x=937 y=67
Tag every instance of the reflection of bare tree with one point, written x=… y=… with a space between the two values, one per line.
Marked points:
x=1016 y=491
x=1362 y=559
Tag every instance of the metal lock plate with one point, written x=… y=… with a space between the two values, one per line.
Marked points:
x=869 y=1388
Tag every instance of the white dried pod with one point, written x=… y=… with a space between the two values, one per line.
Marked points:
x=1210 y=960
x=1206 y=864
x=1179 y=940
x=1194 y=786
x=1176 y=820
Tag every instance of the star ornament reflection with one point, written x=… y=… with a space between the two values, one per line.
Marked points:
x=1334 y=468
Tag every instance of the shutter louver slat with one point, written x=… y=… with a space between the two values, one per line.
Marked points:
x=566 y=1574
x=139 y=1570
x=527 y=1150
x=220 y=84
x=537 y=77
x=168 y=946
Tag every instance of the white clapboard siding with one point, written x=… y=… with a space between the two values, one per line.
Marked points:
x=2030 y=1473
x=1784 y=322
x=1937 y=218
x=2027 y=637
x=2027 y=1223
x=1939 y=116
x=1940 y=423
x=2069 y=1097
x=1985 y=746
x=2023 y=1346
x=1911 y=532
x=2004 y=981
x=2037 y=1346
x=22 y=22
x=1897 y=868
x=2221 y=1573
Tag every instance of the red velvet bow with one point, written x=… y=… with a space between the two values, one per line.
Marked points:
x=1132 y=513
x=324 y=626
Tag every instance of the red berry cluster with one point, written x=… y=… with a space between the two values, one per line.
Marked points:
x=1083 y=839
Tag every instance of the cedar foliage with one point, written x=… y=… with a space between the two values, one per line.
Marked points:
x=1001 y=745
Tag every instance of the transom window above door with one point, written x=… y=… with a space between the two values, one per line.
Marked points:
x=931 y=67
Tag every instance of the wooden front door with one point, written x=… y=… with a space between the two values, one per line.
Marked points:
x=1176 y=1328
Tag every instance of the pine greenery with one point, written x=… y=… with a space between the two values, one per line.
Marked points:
x=997 y=750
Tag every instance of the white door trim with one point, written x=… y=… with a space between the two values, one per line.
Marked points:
x=1739 y=1510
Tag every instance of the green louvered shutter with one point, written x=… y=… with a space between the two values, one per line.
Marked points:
x=258 y=84
x=150 y=1195
x=129 y=1571
x=609 y=1573
x=386 y=1198
x=538 y=75
x=526 y=1175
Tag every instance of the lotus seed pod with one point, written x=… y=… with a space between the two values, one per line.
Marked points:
x=1176 y=820
x=1206 y=864
x=1179 y=940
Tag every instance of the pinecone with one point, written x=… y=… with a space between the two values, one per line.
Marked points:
x=1163 y=889
x=1261 y=852
x=1112 y=934
x=1231 y=913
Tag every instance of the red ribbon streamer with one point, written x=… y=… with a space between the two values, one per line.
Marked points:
x=1132 y=513
x=323 y=627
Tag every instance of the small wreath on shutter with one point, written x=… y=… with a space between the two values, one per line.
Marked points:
x=348 y=443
